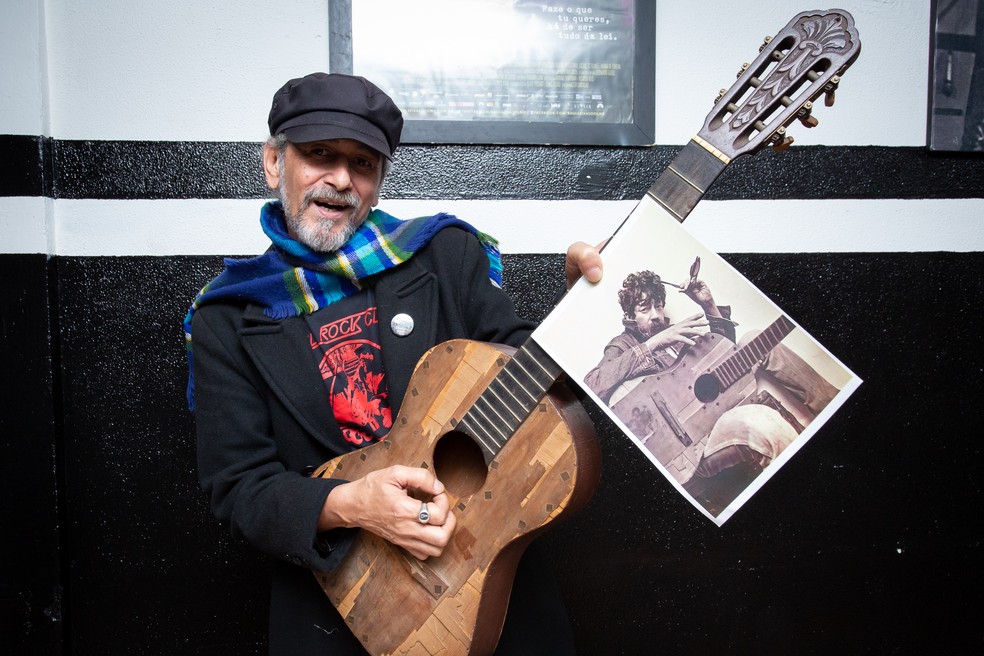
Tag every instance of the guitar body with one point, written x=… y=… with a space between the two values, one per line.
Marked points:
x=664 y=412
x=456 y=604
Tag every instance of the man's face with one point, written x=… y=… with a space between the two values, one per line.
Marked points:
x=327 y=188
x=650 y=317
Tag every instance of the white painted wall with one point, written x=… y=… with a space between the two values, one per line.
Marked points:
x=882 y=100
x=191 y=70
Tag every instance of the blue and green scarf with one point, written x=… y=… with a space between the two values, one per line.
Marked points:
x=291 y=280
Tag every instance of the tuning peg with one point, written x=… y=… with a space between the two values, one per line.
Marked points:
x=765 y=42
x=829 y=90
x=806 y=117
x=744 y=67
x=784 y=144
x=720 y=96
x=780 y=140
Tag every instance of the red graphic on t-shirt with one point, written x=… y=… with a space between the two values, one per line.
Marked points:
x=352 y=368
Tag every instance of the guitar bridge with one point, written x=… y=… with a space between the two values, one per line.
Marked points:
x=678 y=430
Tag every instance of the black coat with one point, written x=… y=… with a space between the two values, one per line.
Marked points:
x=263 y=421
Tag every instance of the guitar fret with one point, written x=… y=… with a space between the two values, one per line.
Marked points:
x=476 y=432
x=687 y=180
x=503 y=402
x=725 y=375
x=746 y=359
x=494 y=424
x=520 y=406
x=544 y=361
x=521 y=386
x=757 y=354
x=487 y=424
x=739 y=364
x=774 y=333
x=666 y=206
x=730 y=373
x=549 y=377
x=529 y=374
x=516 y=402
x=677 y=192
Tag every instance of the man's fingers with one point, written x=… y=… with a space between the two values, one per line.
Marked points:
x=430 y=540
x=437 y=510
x=417 y=478
x=583 y=259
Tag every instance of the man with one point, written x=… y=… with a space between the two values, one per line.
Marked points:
x=743 y=440
x=650 y=341
x=305 y=353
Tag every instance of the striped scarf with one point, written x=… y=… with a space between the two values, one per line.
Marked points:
x=291 y=280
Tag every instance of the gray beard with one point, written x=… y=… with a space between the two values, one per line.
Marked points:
x=319 y=236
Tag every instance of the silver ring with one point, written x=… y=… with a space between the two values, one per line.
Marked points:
x=424 y=515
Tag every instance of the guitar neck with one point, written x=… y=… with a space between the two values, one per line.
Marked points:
x=741 y=362
x=687 y=178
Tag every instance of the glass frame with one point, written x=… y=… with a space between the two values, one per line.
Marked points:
x=639 y=131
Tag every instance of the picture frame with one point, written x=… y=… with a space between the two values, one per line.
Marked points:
x=506 y=71
x=956 y=86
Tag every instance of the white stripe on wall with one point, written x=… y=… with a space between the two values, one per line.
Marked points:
x=222 y=227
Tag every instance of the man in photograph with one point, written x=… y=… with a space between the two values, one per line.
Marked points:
x=716 y=464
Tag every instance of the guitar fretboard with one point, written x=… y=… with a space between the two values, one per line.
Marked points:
x=514 y=393
x=742 y=361
x=686 y=179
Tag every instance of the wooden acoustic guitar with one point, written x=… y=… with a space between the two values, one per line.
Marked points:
x=512 y=446
x=673 y=412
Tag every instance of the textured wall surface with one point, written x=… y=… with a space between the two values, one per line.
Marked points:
x=864 y=543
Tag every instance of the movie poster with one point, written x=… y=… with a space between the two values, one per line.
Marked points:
x=500 y=60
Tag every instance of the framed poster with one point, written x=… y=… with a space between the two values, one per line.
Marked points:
x=956 y=103
x=507 y=71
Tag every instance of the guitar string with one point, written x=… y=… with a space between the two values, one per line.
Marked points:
x=474 y=430
x=488 y=420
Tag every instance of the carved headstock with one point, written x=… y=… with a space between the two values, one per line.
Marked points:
x=795 y=67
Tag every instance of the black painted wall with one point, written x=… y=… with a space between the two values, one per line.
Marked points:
x=866 y=542
x=32 y=583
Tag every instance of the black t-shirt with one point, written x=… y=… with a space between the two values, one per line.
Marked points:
x=345 y=343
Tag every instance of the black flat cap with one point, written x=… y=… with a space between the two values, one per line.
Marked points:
x=335 y=106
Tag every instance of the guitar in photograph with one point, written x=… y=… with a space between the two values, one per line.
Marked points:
x=673 y=412
x=513 y=447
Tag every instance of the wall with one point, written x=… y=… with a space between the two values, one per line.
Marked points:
x=131 y=167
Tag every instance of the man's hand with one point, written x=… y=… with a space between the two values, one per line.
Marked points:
x=700 y=293
x=380 y=502
x=585 y=260
x=681 y=332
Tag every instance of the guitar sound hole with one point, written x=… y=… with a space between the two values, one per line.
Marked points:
x=459 y=464
x=706 y=388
